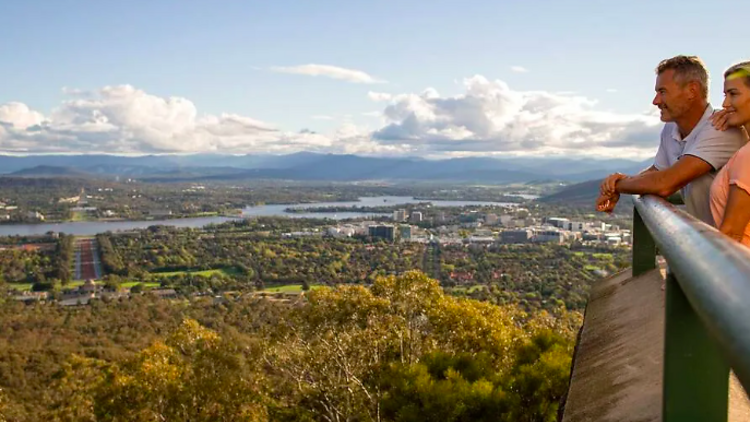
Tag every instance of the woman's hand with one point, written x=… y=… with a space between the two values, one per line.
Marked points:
x=719 y=119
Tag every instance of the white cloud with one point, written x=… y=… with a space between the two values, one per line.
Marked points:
x=379 y=96
x=491 y=117
x=488 y=118
x=611 y=90
x=322 y=117
x=335 y=72
x=125 y=120
x=519 y=69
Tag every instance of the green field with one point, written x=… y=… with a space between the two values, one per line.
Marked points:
x=231 y=271
x=25 y=287
x=290 y=288
x=130 y=284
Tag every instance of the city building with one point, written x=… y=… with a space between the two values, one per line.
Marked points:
x=416 y=217
x=383 y=231
x=561 y=223
x=614 y=240
x=405 y=232
x=576 y=226
x=548 y=236
x=35 y=215
x=491 y=219
x=515 y=236
x=399 y=215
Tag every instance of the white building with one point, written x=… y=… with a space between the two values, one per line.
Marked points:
x=491 y=219
x=399 y=215
x=558 y=222
x=35 y=215
x=416 y=217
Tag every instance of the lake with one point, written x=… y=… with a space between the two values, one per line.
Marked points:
x=90 y=228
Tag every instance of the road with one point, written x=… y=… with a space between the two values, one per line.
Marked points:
x=87 y=265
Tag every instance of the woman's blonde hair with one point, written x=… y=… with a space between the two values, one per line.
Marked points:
x=739 y=70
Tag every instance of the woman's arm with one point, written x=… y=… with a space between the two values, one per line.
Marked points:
x=737 y=213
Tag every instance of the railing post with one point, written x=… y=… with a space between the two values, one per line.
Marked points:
x=644 y=248
x=696 y=377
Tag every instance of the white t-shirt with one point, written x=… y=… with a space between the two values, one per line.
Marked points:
x=710 y=145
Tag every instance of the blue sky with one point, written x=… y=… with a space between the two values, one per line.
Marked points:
x=219 y=55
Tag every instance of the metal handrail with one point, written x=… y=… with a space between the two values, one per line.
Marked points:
x=707 y=326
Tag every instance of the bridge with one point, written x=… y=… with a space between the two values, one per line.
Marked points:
x=669 y=339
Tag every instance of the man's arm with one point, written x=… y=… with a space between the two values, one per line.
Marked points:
x=665 y=182
x=736 y=214
x=649 y=170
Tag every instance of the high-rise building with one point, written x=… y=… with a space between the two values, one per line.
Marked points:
x=399 y=215
x=383 y=231
x=416 y=217
x=405 y=232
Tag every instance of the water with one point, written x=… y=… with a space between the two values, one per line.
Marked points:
x=90 y=228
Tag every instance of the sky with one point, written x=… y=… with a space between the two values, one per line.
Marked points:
x=419 y=78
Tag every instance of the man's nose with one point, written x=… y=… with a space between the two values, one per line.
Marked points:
x=657 y=100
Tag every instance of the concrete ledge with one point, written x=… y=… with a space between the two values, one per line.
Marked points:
x=618 y=364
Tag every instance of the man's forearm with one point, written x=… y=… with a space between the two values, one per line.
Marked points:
x=648 y=182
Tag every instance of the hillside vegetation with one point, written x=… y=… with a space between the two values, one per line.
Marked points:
x=398 y=351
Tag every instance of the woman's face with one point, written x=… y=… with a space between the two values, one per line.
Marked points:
x=737 y=100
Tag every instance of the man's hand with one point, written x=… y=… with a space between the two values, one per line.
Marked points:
x=607 y=203
x=608 y=185
x=719 y=119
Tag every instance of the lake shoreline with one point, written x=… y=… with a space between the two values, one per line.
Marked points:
x=89 y=228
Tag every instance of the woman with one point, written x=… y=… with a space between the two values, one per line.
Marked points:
x=730 y=191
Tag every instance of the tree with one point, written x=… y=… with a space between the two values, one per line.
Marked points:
x=193 y=376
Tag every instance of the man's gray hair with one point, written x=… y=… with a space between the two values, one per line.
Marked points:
x=687 y=69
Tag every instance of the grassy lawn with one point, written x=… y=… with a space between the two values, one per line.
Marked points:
x=591 y=268
x=24 y=287
x=578 y=254
x=130 y=284
x=290 y=288
x=602 y=256
x=230 y=271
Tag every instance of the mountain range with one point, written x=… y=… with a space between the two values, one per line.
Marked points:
x=315 y=167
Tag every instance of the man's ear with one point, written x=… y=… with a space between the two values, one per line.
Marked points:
x=694 y=88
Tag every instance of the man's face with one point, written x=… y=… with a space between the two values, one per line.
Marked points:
x=737 y=101
x=671 y=98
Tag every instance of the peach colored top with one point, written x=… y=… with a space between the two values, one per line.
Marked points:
x=736 y=172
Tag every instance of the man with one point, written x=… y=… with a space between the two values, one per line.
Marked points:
x=691 y=150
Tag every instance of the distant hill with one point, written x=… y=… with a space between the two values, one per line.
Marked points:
x=46 y=171
x=318 y=167
x=580 y=194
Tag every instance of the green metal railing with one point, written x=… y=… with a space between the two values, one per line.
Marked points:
x=707 y=320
